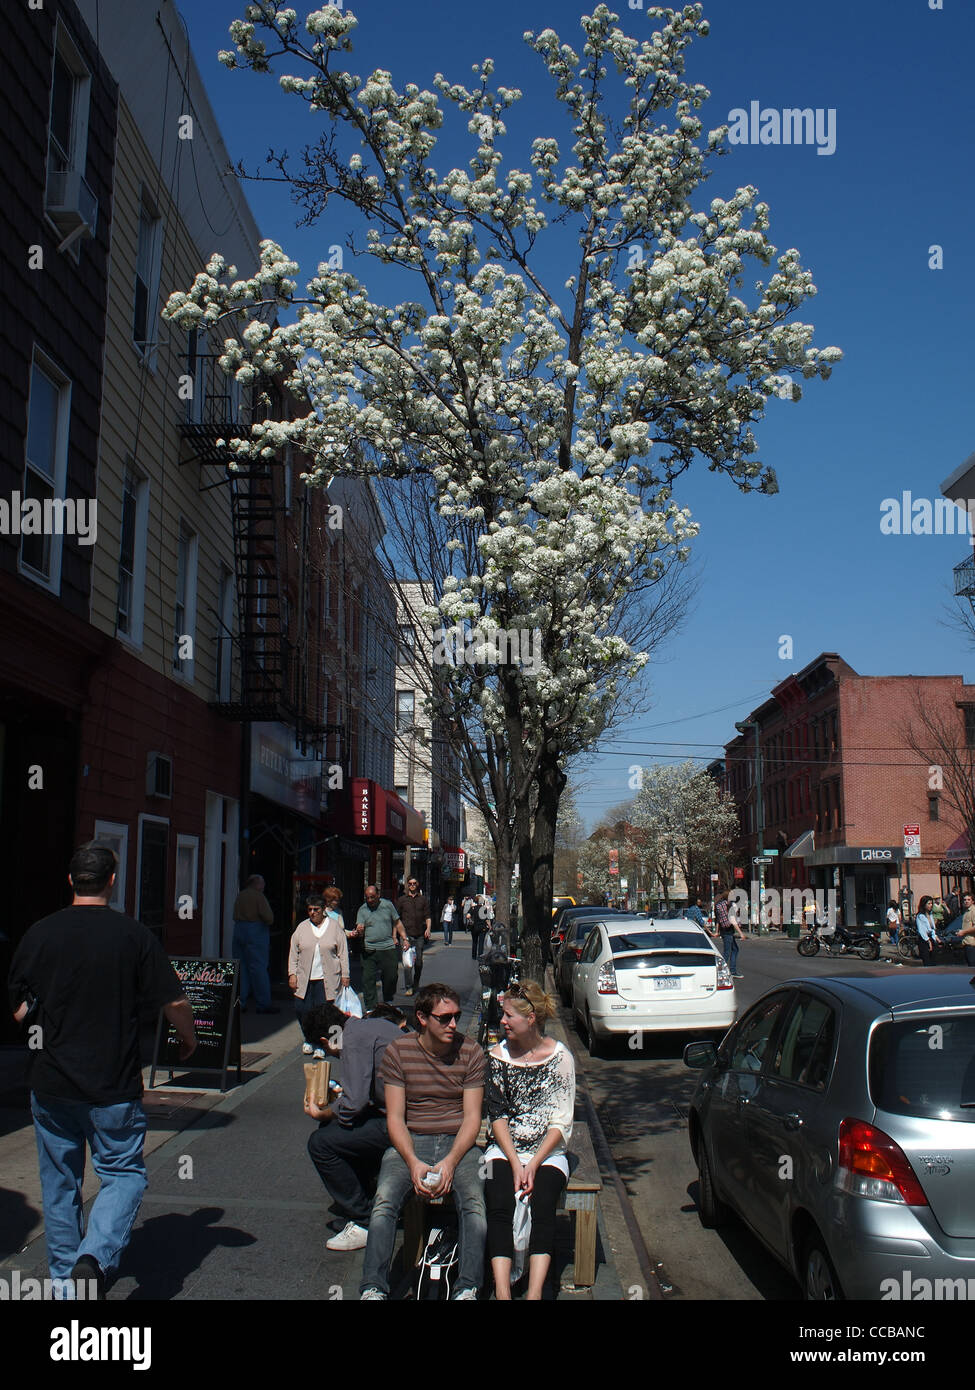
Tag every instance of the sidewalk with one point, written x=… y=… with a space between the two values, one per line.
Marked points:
x=234 y=1207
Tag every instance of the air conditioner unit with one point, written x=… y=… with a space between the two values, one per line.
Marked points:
x=159 y=775
x=71 y=205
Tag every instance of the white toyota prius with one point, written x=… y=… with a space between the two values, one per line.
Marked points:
x=636 y=973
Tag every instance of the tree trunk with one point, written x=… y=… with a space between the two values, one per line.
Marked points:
x=537 y=862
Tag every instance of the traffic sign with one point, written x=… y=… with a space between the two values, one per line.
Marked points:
x=760 y=859
x=912 y=842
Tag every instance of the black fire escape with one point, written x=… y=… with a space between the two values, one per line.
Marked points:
x=274 y=679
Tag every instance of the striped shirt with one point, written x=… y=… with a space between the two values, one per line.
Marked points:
x=434 y=1086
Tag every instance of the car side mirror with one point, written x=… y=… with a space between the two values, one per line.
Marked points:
x=700 y=1055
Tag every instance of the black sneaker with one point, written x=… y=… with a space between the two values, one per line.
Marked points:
x=88 y=1269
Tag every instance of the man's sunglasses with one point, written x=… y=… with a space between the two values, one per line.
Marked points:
x=454 y=1016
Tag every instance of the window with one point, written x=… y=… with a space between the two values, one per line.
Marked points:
x=152 y=870
x=117 y=838
x=45 y=471
x=969 y=712
x=184 y=617
x=752 y=1038
x=69 y=202
x=804 y=1053
x=405 y=707
x=187 y=855
x=132 y=556
x=933 y=808
x=407 y=645
x=146 y=279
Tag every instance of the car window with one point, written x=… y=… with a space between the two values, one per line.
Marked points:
x=752 y=1039
x=925 y=1067
x=591 y=949
x=804 y=1051
x=580 y=930
x=622 y=942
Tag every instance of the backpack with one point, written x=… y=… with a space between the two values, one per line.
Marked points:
x=439 y=1266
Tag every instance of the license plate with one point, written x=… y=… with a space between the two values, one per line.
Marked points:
x=667 y=982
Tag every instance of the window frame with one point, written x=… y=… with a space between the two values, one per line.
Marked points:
x=149 y=215
x=40 y=362
x=187 y=575
x=116 y=834
x=191 y=842
x=76 y=158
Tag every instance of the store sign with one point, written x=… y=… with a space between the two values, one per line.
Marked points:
x=873 y=854
x=453 y=861
x=362 y=806
x=281 y=773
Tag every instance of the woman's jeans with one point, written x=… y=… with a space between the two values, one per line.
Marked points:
x=729 y=949
x=395 y=1185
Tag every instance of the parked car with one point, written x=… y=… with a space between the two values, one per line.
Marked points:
x=637 y=973
x=565 y=915
x=562 y=902
x=837 y=1120
x=565 y=956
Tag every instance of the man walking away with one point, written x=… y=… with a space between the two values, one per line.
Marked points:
x=414 y=911
x=730 y=933
x=383 y=936
x=348 y=1146
x=696 y=913
x=84 y=975
x=434 y=1086
x=253 y=919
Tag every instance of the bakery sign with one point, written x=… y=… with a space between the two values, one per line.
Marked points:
x=362 y=806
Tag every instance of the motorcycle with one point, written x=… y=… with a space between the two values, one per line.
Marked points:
x=835 y=943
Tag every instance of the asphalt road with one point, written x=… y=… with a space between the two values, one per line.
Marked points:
x=641 y=1099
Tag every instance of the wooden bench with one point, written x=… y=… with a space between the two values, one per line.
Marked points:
x=581 y=1197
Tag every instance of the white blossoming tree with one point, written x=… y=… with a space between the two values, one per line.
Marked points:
x=552 y=415
x=687 y=821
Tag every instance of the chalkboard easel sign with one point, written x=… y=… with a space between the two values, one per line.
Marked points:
x=213 y=990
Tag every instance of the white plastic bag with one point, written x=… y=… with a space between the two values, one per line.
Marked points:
x=409 y=957
x=349 y=1002
x=521 y=1231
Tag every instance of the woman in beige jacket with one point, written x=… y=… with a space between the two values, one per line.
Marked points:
x=318 y=962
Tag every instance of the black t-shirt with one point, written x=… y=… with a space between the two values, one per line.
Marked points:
x=93 y=971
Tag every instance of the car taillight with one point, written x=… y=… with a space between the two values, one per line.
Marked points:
x=574 y=951
x=871 y=1164
x=606 y=979
x=724 y=975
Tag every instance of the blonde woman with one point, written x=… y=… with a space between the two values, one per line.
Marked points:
x=318 y=962
x=530 y=1103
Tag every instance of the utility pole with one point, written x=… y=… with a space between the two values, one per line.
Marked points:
x=759 y=819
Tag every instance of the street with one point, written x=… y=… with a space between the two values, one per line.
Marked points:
x=641 y=1098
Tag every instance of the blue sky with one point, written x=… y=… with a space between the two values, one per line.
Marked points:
x=810 y=563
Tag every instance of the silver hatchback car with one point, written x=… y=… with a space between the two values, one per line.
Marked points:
x=837 y=1119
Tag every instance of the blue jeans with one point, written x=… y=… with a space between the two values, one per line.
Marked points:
x=395 y=1185
x=729 y=949
x=116 y=1134
x=252 y=946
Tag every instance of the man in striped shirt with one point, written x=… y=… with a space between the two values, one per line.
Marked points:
x=434 y=1090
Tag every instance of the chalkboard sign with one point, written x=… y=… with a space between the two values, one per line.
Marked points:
x=213 y=990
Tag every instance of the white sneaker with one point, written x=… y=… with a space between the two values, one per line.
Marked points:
x=373 y=1296
x=307 y=1049
x=319 y=1054
x=352 y=1237
x=465 y=1296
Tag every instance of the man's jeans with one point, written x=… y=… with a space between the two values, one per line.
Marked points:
x=412 y=973
x=729 y=949
x=348 y=1163
x=252 y=946
x=395 y=1185
x=116 y=1134
x=386 y=964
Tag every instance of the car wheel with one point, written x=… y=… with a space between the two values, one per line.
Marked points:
x=710 y=1207
x=808 y=946
x=819 y=1281
x=594 y=1043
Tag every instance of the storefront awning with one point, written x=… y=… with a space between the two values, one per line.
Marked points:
x=805 y=844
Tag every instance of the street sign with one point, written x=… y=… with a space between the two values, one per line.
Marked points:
x=760 y=859
x=773 y=852
x=912 y=842
x=739 y=873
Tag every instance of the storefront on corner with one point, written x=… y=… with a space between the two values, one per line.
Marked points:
x=865 y=878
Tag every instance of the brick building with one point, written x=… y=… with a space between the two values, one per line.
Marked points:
x=840 y=781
